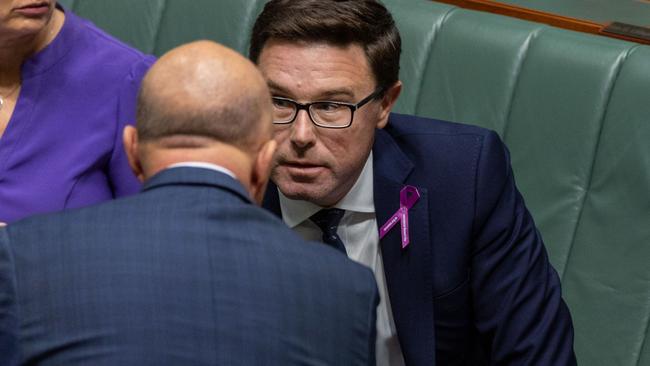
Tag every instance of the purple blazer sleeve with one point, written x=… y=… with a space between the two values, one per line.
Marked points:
x=518 y=304
x=121 y=179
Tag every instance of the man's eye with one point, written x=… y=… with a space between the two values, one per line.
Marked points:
x=328 y=107
x=281 y=104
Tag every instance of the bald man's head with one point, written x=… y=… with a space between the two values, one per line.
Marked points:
x=205 y=90
x=203 y=102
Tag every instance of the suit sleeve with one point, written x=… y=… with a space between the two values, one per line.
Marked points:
x=8 y=307
x=123 y=181
x=517 y=296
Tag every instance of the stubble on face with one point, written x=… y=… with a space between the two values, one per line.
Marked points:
x=312 y=163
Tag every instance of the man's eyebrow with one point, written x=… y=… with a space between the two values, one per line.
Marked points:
x=336 y=93
x=324 y=96
x=273 y=86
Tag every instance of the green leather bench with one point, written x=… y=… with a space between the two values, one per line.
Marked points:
x=573 y=108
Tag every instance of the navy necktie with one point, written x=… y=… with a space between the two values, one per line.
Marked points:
x=328 y=221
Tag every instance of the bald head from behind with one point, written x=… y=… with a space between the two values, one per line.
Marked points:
x=203 y=102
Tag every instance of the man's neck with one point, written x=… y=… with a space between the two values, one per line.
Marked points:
x=203 y=165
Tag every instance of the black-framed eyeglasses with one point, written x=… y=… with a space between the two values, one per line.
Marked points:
x=324 y=114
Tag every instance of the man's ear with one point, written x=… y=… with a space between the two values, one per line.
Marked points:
x=130 y=140
x=262 y=170
x=387 y=102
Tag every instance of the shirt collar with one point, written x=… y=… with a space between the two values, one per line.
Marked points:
x=203 y=165
x=358 y=199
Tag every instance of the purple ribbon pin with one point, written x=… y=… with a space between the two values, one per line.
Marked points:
x=407 y=198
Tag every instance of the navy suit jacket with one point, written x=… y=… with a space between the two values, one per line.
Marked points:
x=188 y=272
x=474 y=286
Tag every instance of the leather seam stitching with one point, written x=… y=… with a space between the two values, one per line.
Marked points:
x=437 y=28
x=531 y=38
x=645 y=336
x=156 y=38
x=590 y=175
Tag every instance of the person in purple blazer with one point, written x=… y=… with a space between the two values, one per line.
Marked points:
x=67 y=90
x=430 y=206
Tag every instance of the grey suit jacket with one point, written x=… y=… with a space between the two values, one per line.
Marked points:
x=188 y=272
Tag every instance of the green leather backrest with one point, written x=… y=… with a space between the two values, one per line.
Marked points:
x=573 y=108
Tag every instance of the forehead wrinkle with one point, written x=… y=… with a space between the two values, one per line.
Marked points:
x=317 y=84
x=313 y=77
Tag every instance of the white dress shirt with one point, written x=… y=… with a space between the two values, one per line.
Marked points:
x=203 y=165
x=359 y=232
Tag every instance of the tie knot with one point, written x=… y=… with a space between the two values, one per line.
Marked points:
x=328 y=219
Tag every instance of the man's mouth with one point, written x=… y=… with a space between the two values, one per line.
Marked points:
x=302 y=168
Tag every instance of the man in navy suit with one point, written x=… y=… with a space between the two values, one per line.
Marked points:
x=189 y=271
x=430 y=206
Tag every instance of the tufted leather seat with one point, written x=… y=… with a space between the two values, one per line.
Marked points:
x=573 y=108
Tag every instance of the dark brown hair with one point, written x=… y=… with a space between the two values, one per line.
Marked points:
x=339 y=22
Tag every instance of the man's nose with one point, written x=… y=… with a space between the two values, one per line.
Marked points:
x=303 y=132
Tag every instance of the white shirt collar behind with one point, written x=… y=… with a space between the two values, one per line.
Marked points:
x=359 y=199
x=359 y=233
x=203 y=165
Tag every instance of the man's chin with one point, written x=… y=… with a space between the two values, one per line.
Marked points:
x=320 y=197
x=316 y=188
x=300 y=191
x=299 y=194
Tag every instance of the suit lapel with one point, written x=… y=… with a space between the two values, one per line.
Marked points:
x=408 y=271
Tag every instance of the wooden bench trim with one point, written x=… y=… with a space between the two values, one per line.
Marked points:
x=555 y=20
